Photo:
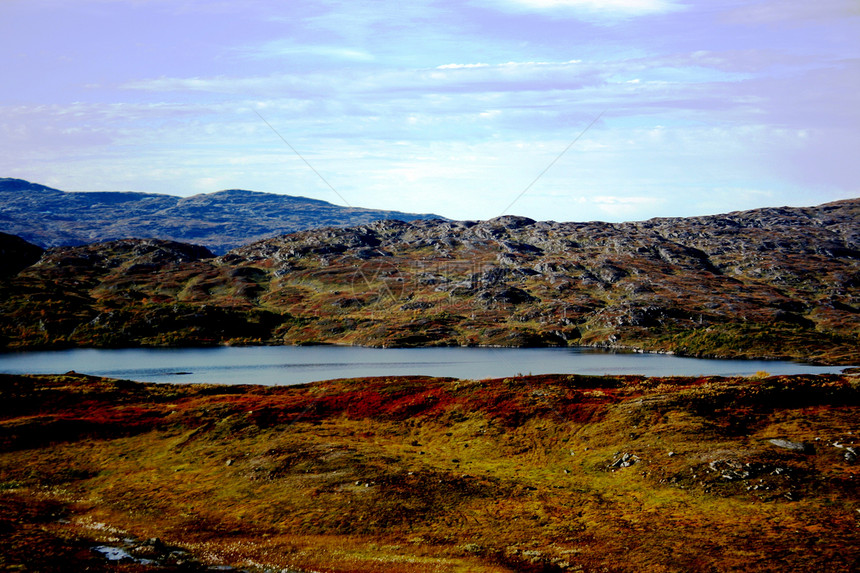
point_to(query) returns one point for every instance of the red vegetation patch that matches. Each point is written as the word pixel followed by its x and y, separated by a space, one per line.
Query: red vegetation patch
pixel 373 398
pixel 510 401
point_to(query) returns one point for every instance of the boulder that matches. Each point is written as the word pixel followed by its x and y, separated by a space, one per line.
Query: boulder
pixel 801 447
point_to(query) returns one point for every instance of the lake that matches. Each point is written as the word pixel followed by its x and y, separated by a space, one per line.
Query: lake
pixel 284 365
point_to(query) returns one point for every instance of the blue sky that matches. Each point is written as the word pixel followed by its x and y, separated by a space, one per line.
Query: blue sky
pixel 437 106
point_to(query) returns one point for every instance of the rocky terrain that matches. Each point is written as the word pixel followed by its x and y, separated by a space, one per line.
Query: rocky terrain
pixel 220 221
pixel 528 474
pixel 763 283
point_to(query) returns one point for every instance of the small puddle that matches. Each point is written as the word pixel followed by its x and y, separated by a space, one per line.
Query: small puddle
pixel 114 553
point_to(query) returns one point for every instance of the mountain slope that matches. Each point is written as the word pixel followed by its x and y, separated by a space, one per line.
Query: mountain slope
pixel 763 283
pixel 220 221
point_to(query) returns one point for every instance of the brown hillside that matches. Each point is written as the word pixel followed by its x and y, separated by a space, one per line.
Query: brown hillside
pixel 767 283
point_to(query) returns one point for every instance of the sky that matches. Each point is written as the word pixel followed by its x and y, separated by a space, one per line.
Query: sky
pixel 565 110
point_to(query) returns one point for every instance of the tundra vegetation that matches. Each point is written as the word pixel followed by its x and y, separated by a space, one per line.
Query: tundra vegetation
pixel 535 473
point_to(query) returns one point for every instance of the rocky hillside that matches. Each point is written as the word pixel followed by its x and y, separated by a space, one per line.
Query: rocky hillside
pixel 765 283
pixel 220 221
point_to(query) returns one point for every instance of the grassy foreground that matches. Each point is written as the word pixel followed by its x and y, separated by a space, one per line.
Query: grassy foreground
pixel 408 474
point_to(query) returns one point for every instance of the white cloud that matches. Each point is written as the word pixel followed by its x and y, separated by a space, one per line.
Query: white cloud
pixel 461 66
pixel 796 12
pixel 454 77
pixel 596 8
pixel 506 65
pixel 616 200
pixel 283 48
pixel 632 5
pixel 614 173
pixel 277 84
pixel 621 207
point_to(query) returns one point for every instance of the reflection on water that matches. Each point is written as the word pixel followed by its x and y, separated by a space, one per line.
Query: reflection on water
pixel 283 365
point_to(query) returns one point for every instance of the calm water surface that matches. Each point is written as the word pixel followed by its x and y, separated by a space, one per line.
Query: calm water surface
pixel 282 365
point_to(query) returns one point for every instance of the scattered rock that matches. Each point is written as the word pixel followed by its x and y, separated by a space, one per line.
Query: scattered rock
pixel 730 469
pixel 512 295
pixel 801 447
pixel 150 549
pixel 624 460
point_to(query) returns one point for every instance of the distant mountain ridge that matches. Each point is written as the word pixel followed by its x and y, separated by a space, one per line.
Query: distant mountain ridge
pixel 219 221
